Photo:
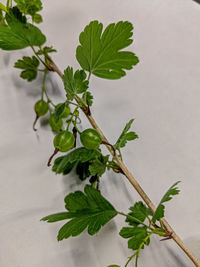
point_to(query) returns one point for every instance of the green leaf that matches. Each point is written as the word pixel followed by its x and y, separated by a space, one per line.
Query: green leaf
pixel 74 83
pixel 98 166
pixel 100 53
pixel 18 35
pixel 56 217
pixel 114 265
pixel 159 213
pixel 87 210
pixel 67 168
pixel 77 155
pixel 30 67
pixel 136 236
pixel 125 136
pixel 27 63
pixel 28 75
pixel 59 109
pixel 87 99
pixel 139 211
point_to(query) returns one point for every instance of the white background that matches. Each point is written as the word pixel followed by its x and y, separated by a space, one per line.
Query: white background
pixel 162 93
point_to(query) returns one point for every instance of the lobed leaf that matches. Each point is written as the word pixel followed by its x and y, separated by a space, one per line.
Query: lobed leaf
pixel 125 136
pixel 98 166
pixel 136 236
pixel 100 53
pixel 138 211
pixel 159 213
pixel 86 210
pixel 30 66
pixel 74 83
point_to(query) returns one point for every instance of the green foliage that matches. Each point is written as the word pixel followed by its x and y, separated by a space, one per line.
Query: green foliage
pixel 98 166
pixel 80 154
pixel 159 213
pixel 74 83
pixel 62 110
pixel 86 210
pixel 136 236
pixel 18 35
pixel 30 7
pixel 138 211
pixel 29 66
pixel 100 53
pixel 125 136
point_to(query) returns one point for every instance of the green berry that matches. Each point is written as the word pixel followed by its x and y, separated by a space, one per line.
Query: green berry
pixel 90 139
pixel 64 141
pixel 41 108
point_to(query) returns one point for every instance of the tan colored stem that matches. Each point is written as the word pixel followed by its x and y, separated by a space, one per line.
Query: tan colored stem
pixel 133 181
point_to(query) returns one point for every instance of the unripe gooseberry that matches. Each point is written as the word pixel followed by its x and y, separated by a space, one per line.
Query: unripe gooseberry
pixel 90 138
pixel 56 125
pixel 64 141
pixel 41 108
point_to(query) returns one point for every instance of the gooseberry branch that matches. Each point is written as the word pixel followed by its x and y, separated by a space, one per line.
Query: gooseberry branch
pixel 170 233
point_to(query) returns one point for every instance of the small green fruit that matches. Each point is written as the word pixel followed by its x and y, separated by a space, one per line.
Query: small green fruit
pixel 41 108
pixel 90 139
pixel 64 141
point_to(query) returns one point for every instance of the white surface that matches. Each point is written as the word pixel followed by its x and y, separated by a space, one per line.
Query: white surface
pixel 162 93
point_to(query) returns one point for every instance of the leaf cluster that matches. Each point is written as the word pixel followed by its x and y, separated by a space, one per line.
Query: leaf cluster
pixel 137 231
pixel 85 210
pixel 87 163
pixel 30 7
